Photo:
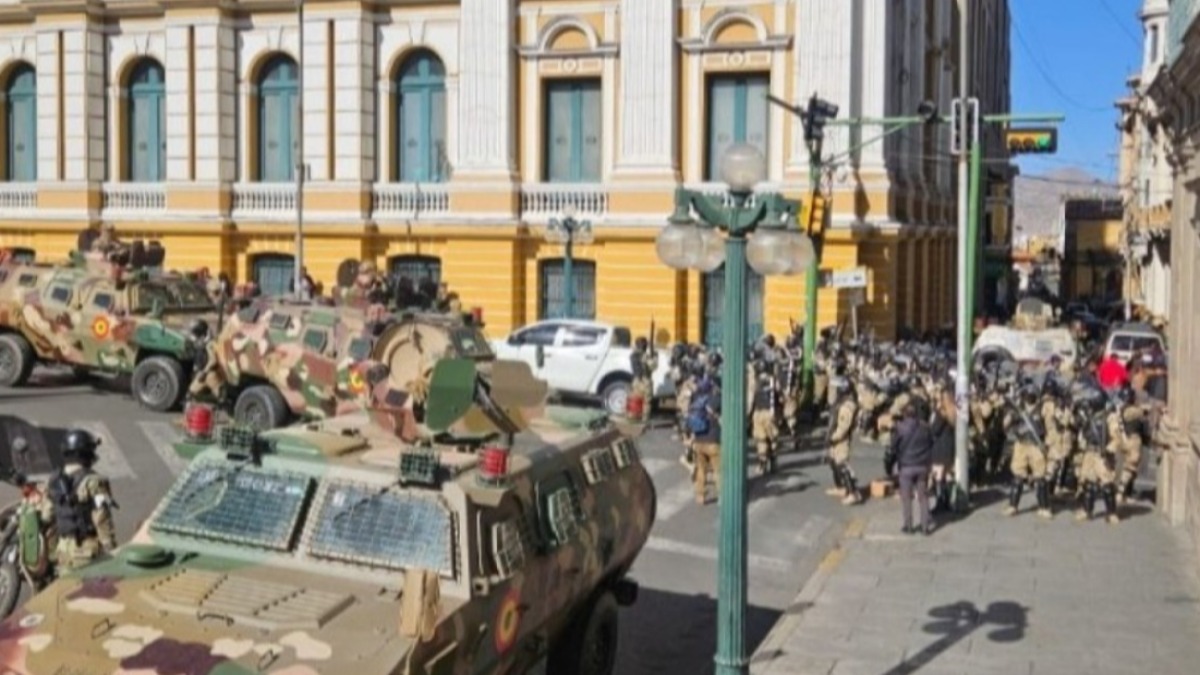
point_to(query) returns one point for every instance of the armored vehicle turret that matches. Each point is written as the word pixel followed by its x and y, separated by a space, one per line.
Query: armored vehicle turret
pixel 277 360
pixel 466 530
pixel 108 311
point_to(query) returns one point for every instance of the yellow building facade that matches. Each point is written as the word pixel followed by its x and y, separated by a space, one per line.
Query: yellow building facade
pixel 439 139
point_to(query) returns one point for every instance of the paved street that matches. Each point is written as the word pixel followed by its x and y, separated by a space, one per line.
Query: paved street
pixel 792 521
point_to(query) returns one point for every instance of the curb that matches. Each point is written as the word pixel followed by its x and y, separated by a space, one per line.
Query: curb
pixel 764 657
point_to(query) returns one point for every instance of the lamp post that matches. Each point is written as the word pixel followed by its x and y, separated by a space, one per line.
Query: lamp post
pixel 776 247
pixel 569 231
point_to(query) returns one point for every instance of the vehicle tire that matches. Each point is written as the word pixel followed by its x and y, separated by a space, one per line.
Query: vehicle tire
pixel 615 396
pixel 82 373
pixel 589 644
pixel 10 586
pixel 261 407
pixel 16 360
pixel 158 383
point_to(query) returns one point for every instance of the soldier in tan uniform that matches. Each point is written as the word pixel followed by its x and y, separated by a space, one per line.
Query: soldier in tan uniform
pixel 1100 437
pixel 1057 419
pixel 82 502
pixel 1023 422
pixel 644 361
pixel 841 427
pixel 762 418
pixel 1127 445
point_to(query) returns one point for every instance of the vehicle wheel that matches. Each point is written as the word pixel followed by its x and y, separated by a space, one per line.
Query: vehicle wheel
pixel 81 372
pixel 10 586
pixel 16 360
pixel 616 396
pixel 261 407
pixel 589 645
pixel 158 383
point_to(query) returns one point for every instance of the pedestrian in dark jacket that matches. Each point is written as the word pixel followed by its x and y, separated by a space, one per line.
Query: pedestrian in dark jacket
pixel 912 446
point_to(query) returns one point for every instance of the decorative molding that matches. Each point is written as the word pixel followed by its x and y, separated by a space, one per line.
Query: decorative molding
pixel 706 40
pixel 571 66
pixel 737 60
pixel 542 50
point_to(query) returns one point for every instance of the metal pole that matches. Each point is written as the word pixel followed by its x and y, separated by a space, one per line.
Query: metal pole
pixel 298 267
pixel 568 270
pixel 731 557
pixel 961 387
pixel 973 202
pixel 811 279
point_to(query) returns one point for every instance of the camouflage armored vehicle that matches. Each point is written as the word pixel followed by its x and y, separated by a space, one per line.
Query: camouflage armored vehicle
pixel 93 313
pixel 279 359
pixel 472 531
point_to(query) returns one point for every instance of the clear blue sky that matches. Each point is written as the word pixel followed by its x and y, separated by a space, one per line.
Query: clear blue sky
pixel 1072 57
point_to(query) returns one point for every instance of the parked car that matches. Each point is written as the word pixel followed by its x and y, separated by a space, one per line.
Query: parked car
pixel 1127 338
pixel 583 359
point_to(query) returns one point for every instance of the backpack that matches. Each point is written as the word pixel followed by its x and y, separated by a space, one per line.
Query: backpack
pixel 697 417
pixel 73 516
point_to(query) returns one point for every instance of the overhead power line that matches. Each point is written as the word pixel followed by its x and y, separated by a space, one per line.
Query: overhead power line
pixel 1045 73
pixel 1120 24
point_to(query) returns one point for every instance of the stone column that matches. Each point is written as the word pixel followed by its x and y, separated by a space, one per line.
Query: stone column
pixel 180 55
pixel 48 124
pixel 487 91
pixel 825 57
pixel 649 89
pixel 354 98
pixel 873 49
pixel 316 35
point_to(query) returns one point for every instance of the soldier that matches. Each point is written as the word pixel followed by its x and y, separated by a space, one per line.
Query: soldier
pixel 841 424
pixel 209 382
pixel 83 503
pixel 762 418
pixel 1134 432
pixel 643 363
pixel 1057 420
pixel 107 242
pixel 1101 437
pixel 704 427
pixel 1023 423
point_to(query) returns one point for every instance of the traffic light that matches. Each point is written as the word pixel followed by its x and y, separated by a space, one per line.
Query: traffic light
pixel 819 111
pixel 1041 141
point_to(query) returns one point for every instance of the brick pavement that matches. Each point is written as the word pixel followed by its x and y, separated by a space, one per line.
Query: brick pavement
pixel 991 594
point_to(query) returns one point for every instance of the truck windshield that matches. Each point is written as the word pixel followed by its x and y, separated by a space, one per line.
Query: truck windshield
pixel 382 527
pixel 235 503
pixel 471 343
pixel 172 294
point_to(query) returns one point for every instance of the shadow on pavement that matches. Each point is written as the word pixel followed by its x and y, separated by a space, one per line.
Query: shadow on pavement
pixel 961 619
pixel 673 633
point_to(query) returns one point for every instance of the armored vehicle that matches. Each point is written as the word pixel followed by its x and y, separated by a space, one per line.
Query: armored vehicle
pixel 1031 338
pixel 476 531
pixel 96 313
pixel 278 359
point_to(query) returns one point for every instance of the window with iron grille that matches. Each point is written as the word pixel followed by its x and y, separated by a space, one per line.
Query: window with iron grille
pixel 553 287
pixel 598 465
pixel 508 547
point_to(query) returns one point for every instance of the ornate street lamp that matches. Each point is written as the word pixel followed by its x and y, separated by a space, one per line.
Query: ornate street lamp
pixel 766 235
pixel 569 231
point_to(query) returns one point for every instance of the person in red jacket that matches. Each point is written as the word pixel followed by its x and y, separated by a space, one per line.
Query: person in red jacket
pixel 1111 373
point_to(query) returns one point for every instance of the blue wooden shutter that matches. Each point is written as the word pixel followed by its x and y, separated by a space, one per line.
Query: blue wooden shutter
pixel 279 113
pixel 421 120
pixel 552 303
pixel 757 113
pixel 714 306
pixel 147 121
pixel 558 132
pixel 21 116
pixel 590 132
pixel 721 119
pixel 274 274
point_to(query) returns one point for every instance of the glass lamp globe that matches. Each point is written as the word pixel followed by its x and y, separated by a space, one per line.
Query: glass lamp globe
pixel 712 250
pixel 743 167
pixel 769 251
pixel 800 252
pixel 679 246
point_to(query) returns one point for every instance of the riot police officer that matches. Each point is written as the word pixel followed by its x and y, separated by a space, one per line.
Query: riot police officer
pixel 762 417
pixel 643 363
pixel 82 502
pixel 1100 434
pixel 841 424
pixel 1024 424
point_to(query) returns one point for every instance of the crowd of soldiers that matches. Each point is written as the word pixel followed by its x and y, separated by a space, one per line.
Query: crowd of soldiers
pixel 1049 429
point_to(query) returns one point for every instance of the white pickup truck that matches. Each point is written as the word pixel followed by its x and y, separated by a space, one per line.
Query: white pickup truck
pixel 583 359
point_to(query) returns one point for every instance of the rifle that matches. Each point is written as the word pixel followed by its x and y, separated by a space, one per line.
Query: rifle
pixel 1028 423
pixel 653 348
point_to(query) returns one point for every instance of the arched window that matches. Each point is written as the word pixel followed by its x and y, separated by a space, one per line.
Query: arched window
pixel 146 123
pixel 420 150
pixel 274 273
pixel 20 124
pixel 714 306
pixel 278 120
pixel 553 285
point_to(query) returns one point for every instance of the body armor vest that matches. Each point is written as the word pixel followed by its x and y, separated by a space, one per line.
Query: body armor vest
pixel 72 515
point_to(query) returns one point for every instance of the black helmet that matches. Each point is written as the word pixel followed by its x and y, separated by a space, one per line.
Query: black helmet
pixel 80 445
pixel 1126 395
pixel 641 344
pixel 769 341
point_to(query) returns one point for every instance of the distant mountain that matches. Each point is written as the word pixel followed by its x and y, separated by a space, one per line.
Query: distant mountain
pixel 1037 200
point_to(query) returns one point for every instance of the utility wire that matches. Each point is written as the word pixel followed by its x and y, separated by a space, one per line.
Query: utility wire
pixel 1045 73
pixel 1117 20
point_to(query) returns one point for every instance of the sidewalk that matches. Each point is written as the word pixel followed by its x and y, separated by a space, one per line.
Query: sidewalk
pixel 991 594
